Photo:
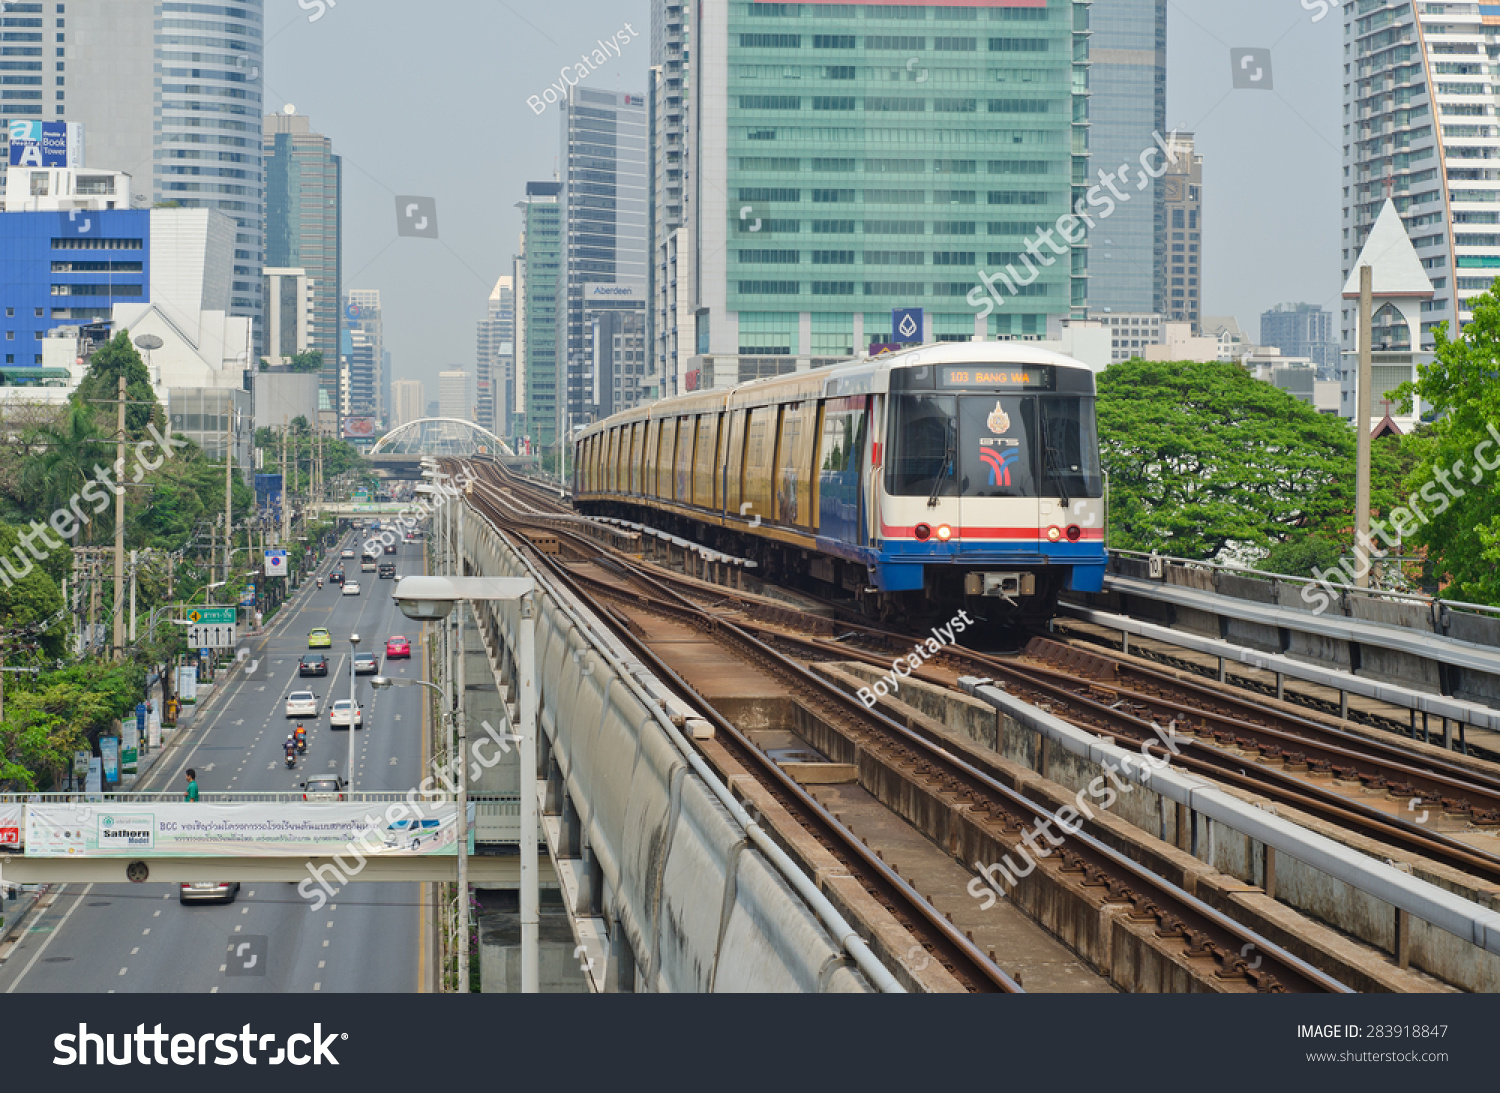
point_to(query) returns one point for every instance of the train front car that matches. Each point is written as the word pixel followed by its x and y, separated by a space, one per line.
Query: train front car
pixel 990 489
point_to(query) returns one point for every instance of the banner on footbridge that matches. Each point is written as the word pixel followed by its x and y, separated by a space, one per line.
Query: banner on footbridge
pixel 251 830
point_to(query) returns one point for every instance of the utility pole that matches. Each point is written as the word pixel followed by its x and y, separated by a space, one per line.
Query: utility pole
pixel 228 489
pixel 286 486
pixel 119 626
pixel 134 566
pixel 1362 433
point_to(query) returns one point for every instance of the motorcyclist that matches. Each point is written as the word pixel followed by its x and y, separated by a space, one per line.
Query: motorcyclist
pixel 320 582
pixel 301 738
pixel 290 749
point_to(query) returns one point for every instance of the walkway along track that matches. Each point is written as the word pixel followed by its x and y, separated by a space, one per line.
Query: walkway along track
pixel 983 815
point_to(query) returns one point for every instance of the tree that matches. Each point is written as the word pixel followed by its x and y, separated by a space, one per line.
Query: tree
pixel 1453 505
pixel 101 385
pixel 1202 457
pixel 67 451
pixel 311 361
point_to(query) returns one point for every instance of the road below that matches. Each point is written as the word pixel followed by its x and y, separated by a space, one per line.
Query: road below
pixel 138 939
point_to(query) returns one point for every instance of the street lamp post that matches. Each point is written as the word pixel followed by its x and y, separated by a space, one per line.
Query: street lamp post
pixel 432 599
pixel 353 710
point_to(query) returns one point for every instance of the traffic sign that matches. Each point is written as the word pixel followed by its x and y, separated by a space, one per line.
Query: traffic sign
pixel 220 616
pixel 205 635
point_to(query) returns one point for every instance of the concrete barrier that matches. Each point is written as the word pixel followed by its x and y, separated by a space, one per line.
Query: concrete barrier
pixel 701 907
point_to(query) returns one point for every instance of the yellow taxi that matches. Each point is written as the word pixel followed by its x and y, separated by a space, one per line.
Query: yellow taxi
pixel 320 638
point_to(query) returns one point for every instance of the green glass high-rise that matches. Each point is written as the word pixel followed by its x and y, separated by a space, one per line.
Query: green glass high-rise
pixel 852 158
pixel 541 264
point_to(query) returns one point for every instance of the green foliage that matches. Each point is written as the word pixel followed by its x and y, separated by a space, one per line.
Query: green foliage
pixel 311 361
pixel 31 590
pixel 65 711
pixel 1307 556
pixel 1202 457
pixel 1450 485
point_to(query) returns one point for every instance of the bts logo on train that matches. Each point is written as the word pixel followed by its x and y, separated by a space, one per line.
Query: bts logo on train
pixel 958 475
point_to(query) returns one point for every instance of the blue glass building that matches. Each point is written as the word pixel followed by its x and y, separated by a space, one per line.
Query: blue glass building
pixel 66 269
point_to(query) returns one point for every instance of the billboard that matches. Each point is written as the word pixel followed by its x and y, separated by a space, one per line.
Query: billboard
pixel 262 829
pixel 359 428
pixel 46 144
pixel 10 826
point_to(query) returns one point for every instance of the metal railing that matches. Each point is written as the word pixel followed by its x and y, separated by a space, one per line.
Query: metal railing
pixel 358 796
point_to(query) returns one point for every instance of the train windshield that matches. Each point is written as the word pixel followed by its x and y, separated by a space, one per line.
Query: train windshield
pixel 994 446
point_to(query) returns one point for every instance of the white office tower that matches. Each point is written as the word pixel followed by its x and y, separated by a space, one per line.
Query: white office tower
pixel 1420 129
pixel 671 326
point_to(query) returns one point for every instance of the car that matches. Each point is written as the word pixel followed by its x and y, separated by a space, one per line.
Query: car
pixel 319 638
pixel 397 648
pixel 302 704
pixel 347 552
pixel 336 577
pixel 367 564
pixel 387 571
pixel 338 715
pixel 366 663
pixel 323 789
pixel 314 664
pixel 351 588
pixel 222 891
pixel 390 548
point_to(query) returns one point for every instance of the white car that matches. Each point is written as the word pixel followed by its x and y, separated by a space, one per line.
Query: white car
pixel 351 588
pixel 302 704
pixel 347 552
pixel 338 715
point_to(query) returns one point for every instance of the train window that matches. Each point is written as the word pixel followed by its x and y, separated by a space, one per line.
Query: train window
pixel 1070 448
pixel 923 444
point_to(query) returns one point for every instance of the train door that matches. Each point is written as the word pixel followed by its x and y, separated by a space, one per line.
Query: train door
pixel 841 462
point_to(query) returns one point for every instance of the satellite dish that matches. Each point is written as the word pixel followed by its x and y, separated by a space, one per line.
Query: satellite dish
pixel 149 342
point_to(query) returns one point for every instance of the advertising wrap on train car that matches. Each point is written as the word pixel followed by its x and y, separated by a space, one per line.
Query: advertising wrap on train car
pixel 263 829
pixel 1034 377
pixel 10 827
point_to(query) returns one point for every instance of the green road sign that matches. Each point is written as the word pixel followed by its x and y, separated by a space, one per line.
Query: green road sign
pixel 212 616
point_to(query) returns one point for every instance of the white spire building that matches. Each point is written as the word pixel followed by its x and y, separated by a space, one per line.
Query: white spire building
pixel 1401 291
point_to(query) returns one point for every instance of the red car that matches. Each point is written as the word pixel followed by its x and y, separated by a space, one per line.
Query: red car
pixel 397 648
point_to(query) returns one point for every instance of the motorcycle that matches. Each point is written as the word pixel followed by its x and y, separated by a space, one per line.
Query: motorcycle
pixel 291 760
pixel 320 582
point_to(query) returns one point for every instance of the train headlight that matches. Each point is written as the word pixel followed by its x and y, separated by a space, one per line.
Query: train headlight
pixel 1074 533
pixel 945 533
pixel 923 532
pixel 1054 534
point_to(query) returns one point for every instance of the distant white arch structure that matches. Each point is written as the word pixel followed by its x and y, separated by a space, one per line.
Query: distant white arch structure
pixel 440 436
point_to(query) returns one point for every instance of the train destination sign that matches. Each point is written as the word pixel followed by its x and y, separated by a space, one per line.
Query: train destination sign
pixel 1012 377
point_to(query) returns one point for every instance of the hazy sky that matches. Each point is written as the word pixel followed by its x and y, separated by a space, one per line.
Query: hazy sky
pixel 430 100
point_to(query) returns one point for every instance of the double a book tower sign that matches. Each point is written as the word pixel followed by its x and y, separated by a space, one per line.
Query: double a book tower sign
pixel 211 628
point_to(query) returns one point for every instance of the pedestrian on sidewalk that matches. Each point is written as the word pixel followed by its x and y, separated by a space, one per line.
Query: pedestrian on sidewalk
pixel 192 787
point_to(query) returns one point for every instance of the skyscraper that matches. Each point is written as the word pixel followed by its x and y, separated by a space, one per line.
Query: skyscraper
pixel 407 402
pixel 1182 191
pixel 366 370
pixel 1302 330
pixel 168 91
pixel 539 268
pixel 670 316
pixel 456 394
pixel 604 230
pixel 1127 107
pixel 304 223
pixel 494 361
pixel 849 159
pixel 1419 127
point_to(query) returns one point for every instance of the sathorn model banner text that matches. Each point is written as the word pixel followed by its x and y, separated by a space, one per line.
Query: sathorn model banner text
pixel 264 829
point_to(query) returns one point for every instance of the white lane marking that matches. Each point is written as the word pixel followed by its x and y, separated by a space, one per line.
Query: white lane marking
pixel 244 910
pixel 237 929
pixel 325 943
pixel 146 931
pixel 317 986
pixel 135 950
pixel 124 970
pixel 214 990
pixel 157 914
pixel 322 964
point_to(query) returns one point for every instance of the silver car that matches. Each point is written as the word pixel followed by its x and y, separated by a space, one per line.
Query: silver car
pixel 222 891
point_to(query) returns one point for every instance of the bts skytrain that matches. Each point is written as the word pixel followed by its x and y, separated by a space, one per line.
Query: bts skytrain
pixel 962 474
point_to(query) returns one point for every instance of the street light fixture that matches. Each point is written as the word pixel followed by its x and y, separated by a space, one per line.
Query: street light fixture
pixel 432 599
